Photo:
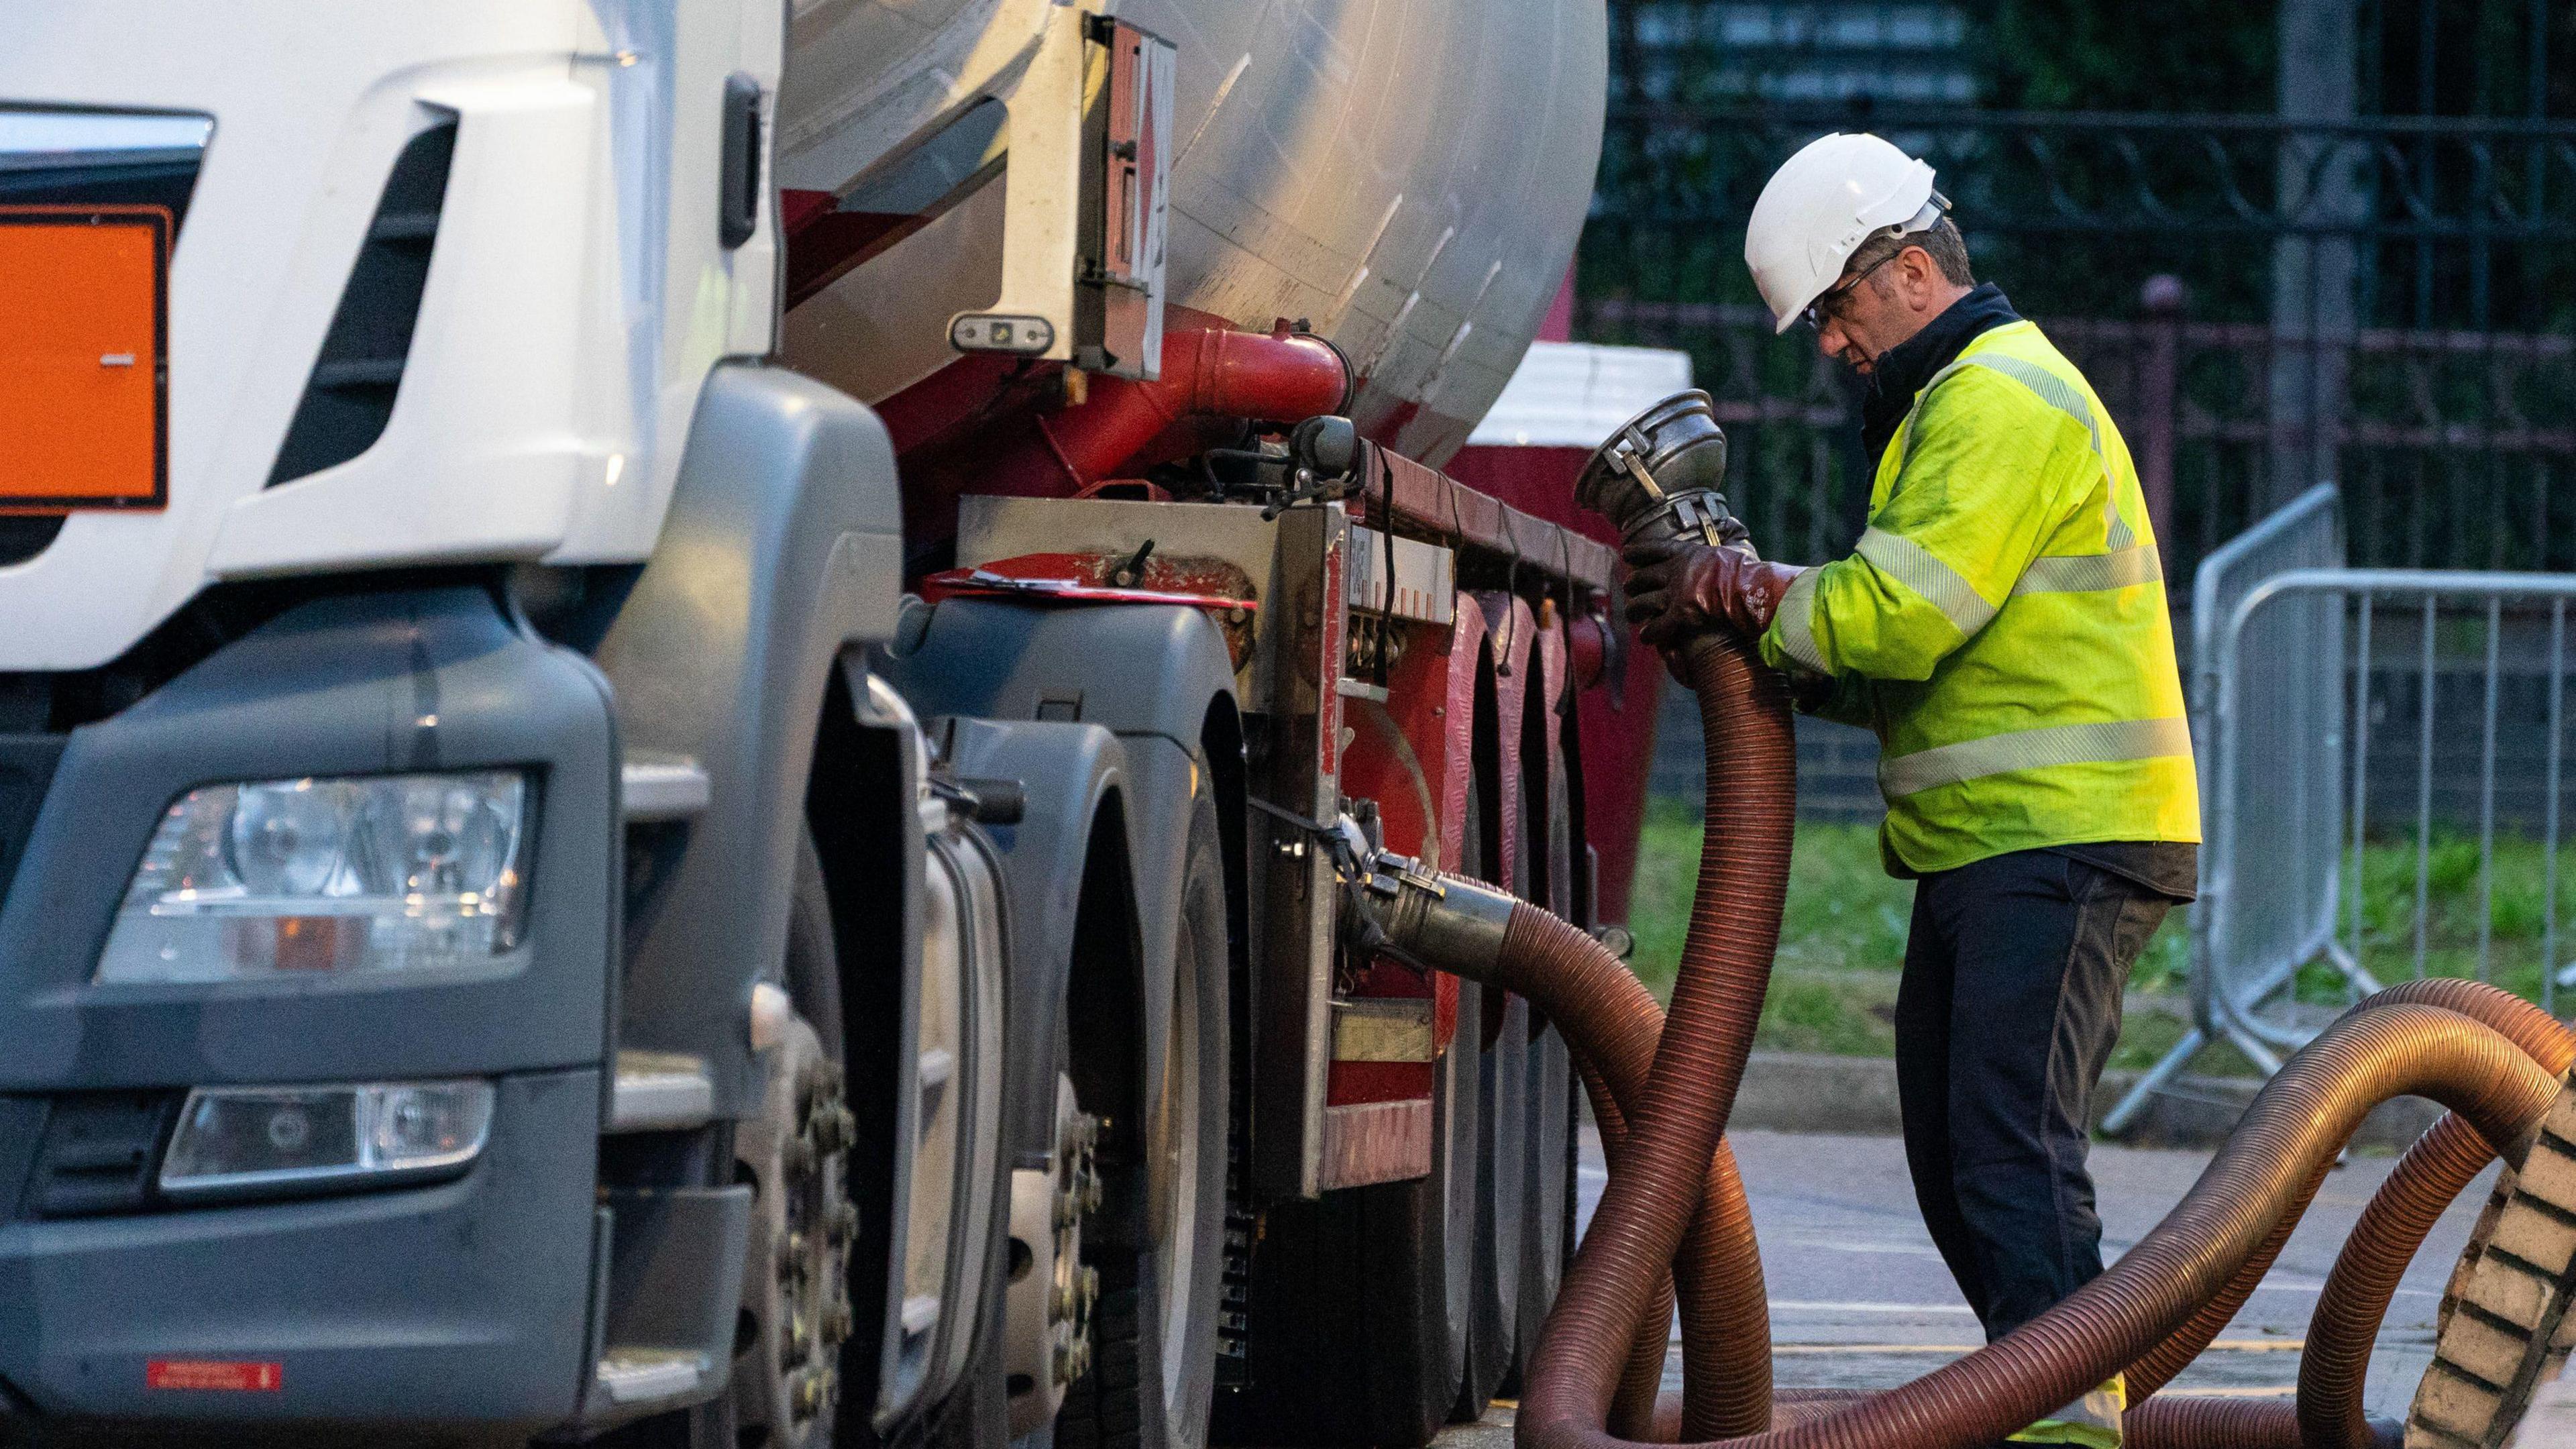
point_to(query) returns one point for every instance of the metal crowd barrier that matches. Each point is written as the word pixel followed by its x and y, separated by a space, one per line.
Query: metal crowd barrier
pixel 2443 721
pixel 2289 802
pixel 2282 916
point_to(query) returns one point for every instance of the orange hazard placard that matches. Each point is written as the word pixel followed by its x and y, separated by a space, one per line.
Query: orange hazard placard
pixel 84 327
pixel 212 1373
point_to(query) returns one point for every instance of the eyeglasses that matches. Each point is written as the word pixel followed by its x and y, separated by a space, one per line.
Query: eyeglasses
pixel 1818 310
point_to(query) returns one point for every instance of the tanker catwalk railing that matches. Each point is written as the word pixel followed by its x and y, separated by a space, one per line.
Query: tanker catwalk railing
pixel 2458 683
pixel 2285 911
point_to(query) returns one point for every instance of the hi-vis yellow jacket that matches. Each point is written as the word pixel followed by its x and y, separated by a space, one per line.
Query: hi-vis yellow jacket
pixel 2002 625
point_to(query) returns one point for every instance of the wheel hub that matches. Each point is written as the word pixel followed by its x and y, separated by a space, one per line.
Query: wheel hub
pixel 1049 1302
pixel 798 1292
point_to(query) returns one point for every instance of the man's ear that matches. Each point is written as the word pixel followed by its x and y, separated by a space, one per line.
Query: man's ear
pixel 1922 278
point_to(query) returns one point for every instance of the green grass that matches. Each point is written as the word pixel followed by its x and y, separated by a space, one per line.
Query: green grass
pixel 2519 874
pixel 1842 939
pixel 1842 936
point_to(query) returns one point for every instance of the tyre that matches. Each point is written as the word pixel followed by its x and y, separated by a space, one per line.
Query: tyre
pixel 1547 1225
pixel 796 1309
pixel 1157 1241
pixel 1459 1159
pixel 1502 1179
pixel 1548 1193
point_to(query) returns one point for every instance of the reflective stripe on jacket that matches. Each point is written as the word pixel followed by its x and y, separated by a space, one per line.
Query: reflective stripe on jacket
pixel 2002 624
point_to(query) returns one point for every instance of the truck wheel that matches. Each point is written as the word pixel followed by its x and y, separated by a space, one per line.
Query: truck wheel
pixel 796 1309
pixel 1159 1243
pixel 1548 1212
pixel 1548 1217
pixel 1458 1109
pixel 1462 1161
pixel 1502 1158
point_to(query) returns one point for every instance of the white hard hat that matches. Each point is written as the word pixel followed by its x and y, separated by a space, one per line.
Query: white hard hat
pixel 1818 208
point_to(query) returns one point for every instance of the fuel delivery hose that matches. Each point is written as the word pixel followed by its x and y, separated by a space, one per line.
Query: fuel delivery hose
pixel 1623 1016
pixel 2328 1413
pixel 2293 1129
pixel 1726 1332
pixel 1671 1194
pixel 2385 1237
pixel 1660 473
pixel 2385 1048
pixel 1633 1408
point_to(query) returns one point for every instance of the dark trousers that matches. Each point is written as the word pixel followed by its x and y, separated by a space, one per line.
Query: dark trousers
pixel 2008 1011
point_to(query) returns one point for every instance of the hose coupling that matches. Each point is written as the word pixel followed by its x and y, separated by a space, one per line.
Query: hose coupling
pixel 1434 920
pixel 1662 475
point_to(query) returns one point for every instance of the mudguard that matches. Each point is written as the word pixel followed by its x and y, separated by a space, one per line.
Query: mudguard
pixel 1147 673
pixel 782 547
pixel 1071 774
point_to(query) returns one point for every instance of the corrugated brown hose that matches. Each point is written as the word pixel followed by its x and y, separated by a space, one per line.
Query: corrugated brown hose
pixel 2437 1169
pixel 1649 1203
pixel 2292 1131
pixel 1673 1218
pixel 2329 1413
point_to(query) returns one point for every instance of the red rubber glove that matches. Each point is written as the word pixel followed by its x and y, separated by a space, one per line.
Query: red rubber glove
pixel 1679 587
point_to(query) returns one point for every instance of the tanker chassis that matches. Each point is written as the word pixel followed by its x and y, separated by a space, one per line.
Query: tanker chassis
pixel 684 692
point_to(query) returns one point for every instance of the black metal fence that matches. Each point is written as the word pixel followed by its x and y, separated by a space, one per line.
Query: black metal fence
pixel 2262 303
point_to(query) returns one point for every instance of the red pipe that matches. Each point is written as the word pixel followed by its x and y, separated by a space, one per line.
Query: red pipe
pixel 1283 377
pixel 982 424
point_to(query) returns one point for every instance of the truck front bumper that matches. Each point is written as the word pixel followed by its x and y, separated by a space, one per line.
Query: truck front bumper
pixel 467 1300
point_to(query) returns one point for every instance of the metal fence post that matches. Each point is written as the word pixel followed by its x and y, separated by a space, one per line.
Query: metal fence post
pixel 2165 299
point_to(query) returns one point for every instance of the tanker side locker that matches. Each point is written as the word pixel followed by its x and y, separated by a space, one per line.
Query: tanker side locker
pixel 1292 1029
pixel 1397 685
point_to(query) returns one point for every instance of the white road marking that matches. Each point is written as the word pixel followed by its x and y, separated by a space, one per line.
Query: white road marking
pixel 1797 1306
pixel 2224 1345
pixel 1847 1245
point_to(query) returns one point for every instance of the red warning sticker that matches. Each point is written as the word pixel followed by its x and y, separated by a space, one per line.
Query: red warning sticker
pixel 210 1373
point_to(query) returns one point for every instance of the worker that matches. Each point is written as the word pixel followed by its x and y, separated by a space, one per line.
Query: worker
pixel 2001 627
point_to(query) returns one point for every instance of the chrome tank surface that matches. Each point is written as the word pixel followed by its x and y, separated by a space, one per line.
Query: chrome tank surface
pixel 1409 175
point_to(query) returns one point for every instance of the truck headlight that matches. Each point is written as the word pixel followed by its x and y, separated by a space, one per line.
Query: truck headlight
pixel 273 878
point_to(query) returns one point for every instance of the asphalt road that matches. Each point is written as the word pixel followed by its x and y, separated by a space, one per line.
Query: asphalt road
pixel 1860 1299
